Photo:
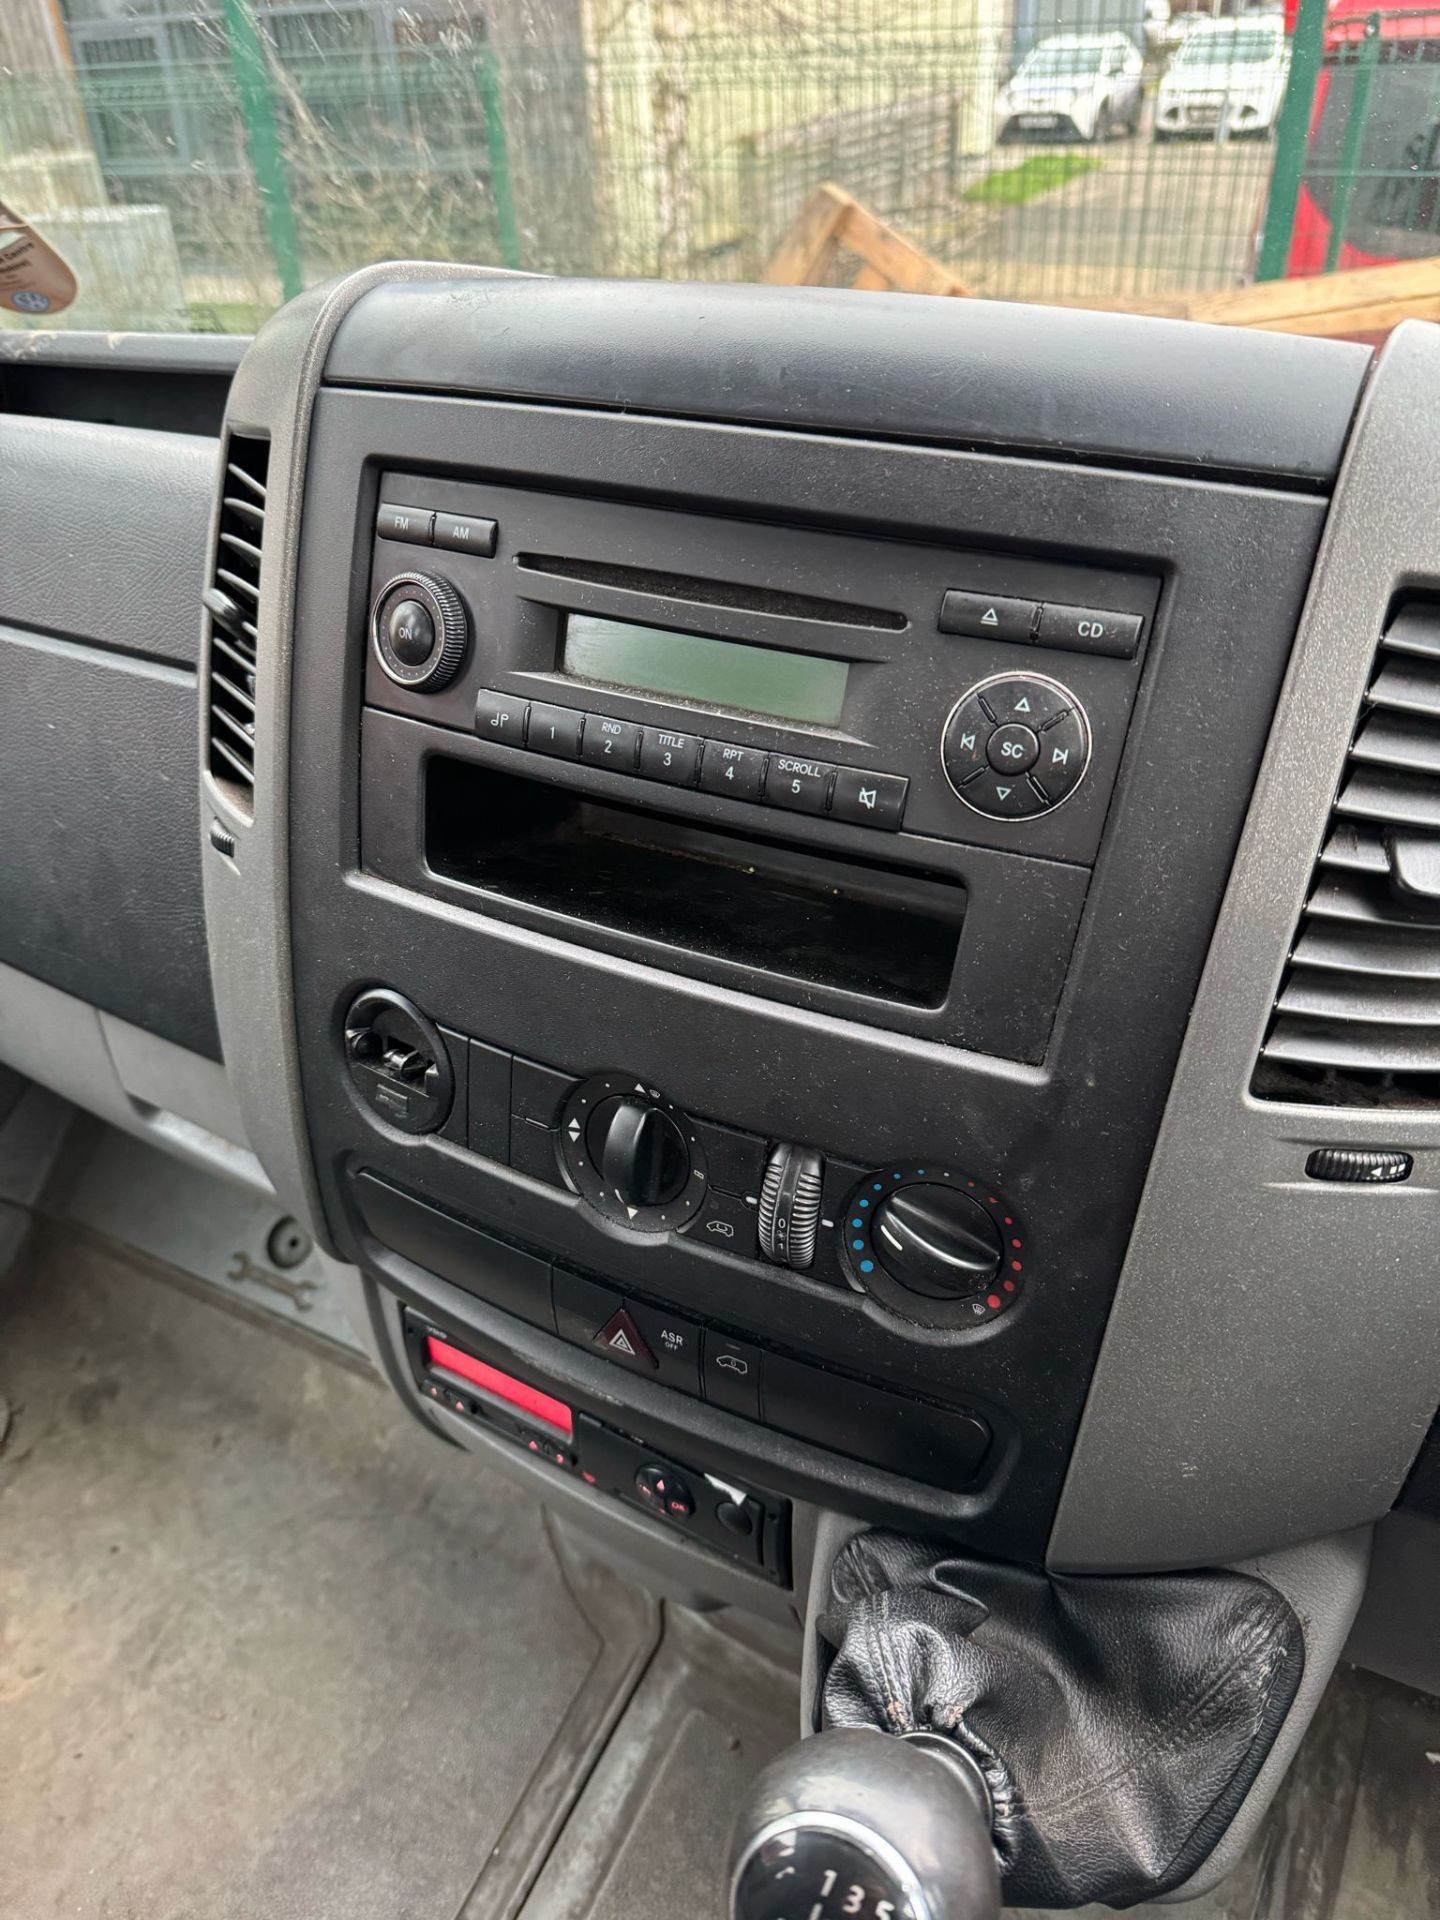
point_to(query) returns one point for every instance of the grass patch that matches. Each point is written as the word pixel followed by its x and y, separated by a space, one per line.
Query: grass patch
pixel 1040 173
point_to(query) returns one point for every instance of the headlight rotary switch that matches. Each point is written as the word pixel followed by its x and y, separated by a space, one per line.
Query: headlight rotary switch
pixel 420 631
pixel 790 1195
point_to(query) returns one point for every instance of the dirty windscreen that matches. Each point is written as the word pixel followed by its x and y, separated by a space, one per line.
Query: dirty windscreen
pixel 195 163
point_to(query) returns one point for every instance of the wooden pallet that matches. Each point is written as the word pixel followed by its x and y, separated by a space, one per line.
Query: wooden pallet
pixel 833 222
pixel 1362 301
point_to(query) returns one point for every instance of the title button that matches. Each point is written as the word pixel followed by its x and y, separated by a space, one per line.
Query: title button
pixel 670 756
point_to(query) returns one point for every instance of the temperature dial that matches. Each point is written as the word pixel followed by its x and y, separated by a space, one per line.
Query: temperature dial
pixel 934 1244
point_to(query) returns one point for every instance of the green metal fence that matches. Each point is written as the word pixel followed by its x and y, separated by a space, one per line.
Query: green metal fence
pixel 288 139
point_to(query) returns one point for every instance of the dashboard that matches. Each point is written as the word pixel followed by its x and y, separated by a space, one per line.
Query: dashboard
pixel 829 902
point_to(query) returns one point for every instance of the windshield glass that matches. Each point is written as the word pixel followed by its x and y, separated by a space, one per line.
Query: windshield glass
pixel 1055 63
pixel 190 165
pixel 1230 46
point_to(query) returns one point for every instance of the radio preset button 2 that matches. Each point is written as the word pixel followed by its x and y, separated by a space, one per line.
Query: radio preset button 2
pixel 738 772
pixel 987 616
pixel 869 799
pixel 612 743
pixel 670 756
pixel 555 730
pixel 802 785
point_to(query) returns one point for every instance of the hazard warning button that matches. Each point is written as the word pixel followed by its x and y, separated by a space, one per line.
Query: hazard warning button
pixel 983 616
pixel 623 1340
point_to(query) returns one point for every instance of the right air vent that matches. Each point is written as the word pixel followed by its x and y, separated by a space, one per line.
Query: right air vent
pixel 1357 1018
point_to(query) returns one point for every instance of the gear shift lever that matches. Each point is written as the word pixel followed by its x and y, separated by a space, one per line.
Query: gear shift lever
pixel 855 1824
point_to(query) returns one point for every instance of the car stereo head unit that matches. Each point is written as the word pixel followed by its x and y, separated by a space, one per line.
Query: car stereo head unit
pixel 810 763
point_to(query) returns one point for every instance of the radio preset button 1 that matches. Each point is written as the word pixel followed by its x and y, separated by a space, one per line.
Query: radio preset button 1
pixel 982 616
pixel 462 534
pixel 1090 630
pixel 869 799
pixel 555 730
pixel 670 756
pixel 802 785
pixel 612 743
pixel 738 772
pixel 498 717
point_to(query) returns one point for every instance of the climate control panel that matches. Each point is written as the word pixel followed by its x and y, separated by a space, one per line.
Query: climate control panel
pixel 930 1242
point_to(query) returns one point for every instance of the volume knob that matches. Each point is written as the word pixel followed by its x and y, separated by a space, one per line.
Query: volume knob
pixel 790 1206
pixel 420 631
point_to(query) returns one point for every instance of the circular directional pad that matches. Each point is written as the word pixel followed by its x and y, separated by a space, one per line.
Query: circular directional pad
pixel 1015 746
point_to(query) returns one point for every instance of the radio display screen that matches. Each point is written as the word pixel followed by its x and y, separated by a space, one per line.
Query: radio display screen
pixel 716 673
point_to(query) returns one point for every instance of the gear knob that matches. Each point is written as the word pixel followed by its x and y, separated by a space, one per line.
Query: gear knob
pixel 860 1825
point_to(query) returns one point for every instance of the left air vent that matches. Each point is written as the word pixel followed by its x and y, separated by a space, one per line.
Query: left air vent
pixel 1357 1018
pixel 233 601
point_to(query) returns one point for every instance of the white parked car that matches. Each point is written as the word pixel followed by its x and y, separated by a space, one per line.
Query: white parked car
pixel 1085 85
pixel 1227 71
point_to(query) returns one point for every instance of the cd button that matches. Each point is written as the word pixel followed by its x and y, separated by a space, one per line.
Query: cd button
pixel 1005 796
pixel 736 771
pixel 1064 752
pixel 802 785
pixel 869 799
pixel 498 717
pixel 670 756
pixel 1086 630
pixel 611 743
pixel 555 730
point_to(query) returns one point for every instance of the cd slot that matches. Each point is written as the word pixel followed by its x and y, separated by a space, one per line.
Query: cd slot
pixel 690 590
pixel 757 901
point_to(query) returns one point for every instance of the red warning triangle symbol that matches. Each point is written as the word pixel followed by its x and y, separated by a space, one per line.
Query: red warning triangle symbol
pixel 623 1338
